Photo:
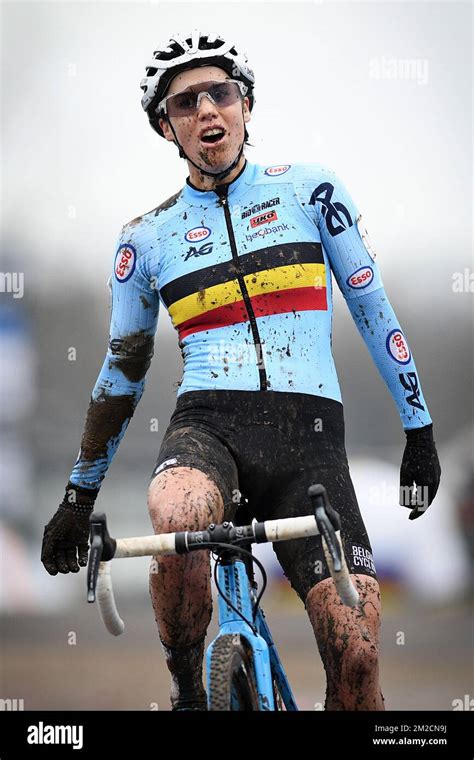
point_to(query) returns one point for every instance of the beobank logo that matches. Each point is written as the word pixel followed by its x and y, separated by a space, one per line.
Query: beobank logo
pixel 268 216
pixel 274 171
pixel 197 233
pixel 360 278
pixel 125 260
pixel 397 347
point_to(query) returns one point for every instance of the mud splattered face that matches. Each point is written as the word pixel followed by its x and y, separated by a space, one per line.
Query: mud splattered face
pixel 193 131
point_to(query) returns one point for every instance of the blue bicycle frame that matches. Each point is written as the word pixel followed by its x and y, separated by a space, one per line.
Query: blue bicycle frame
pixel 234 580
pixel 240 613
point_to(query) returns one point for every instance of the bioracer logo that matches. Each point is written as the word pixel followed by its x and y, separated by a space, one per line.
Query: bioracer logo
pixel 46 734
pixel 260 207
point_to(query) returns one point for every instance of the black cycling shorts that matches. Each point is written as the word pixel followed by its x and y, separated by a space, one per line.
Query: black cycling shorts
pixel 263 449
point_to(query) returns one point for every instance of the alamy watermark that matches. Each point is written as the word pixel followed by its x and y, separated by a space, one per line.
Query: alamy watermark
pixel 386 493
pixel 410 69
pixel 466 703
pixel 42 733
pixel 12 705
pixel 224 353
pixel 463 282
pixel 12 282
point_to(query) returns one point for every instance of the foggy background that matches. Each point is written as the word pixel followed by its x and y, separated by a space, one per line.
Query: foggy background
pixel 382 93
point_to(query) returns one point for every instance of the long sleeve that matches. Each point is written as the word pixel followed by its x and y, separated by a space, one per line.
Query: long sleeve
pixel 358 277
pixel 121 381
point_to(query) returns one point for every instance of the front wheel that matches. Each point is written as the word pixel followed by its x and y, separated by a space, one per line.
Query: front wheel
pixel 232 678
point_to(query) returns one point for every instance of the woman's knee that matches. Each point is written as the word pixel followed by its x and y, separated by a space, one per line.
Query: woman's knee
pixel 361 661
pixel 348 636
pixel 183 498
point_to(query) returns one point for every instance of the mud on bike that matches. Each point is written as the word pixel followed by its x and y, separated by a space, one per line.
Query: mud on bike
pixel 243 668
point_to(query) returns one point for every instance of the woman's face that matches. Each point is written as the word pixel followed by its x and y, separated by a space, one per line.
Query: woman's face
pixel 189 129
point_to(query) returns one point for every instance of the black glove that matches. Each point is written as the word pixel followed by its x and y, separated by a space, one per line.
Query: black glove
pixel 68 532
pixel 420 464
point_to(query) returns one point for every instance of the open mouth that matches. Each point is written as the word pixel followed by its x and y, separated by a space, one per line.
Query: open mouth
pixel 213 136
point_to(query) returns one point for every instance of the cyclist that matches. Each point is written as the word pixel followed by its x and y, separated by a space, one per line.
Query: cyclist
pixel 241 257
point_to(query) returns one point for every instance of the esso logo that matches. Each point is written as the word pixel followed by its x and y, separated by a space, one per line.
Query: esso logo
pixel 197 234
pixel 125 260
pixel 274 171
pixel 361 278
pixel 397 347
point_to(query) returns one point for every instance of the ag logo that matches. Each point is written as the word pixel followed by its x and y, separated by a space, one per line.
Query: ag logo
pixel 365 237
pixel 197 233
pixel 409 381
pixel 274 171
pixel 125 260
pixel 202 251
pixel 360 278
pixel 397 347
pixel 336 214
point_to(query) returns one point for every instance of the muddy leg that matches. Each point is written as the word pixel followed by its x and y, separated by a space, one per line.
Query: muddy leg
pixel 183 498
pixel 348 642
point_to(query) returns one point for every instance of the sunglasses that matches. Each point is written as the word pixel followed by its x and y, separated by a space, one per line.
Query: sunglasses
pixel 186 103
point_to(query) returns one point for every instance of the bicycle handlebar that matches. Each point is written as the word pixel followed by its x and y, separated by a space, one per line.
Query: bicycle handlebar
pixel 103 549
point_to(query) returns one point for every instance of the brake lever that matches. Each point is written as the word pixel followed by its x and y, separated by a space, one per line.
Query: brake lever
pixel 102 549
pixel 95 555
pixel 328 522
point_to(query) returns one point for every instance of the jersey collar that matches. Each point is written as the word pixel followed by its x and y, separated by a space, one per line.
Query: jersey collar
pixel 196 197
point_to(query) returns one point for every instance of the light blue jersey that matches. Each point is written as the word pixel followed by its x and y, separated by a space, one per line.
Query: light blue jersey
pixel 245 274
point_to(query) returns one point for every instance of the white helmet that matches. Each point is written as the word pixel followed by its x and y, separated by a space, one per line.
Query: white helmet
pixel 181 53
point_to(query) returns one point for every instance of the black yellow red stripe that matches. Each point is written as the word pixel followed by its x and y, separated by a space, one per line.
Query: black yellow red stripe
pixel 278 280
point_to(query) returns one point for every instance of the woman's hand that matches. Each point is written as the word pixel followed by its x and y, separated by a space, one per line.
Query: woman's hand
pixel 66 536
pixel 420 464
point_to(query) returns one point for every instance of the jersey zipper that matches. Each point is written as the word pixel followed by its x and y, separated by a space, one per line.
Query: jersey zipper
pixel 243 287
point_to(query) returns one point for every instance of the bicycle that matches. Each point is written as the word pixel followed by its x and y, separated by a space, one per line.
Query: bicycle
pixel 244 670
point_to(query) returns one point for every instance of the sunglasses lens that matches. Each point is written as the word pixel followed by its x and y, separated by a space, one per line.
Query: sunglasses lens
pixel 224 94
pixel 185 103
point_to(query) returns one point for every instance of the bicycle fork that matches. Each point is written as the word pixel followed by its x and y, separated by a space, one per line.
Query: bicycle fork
pixel 234 581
